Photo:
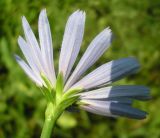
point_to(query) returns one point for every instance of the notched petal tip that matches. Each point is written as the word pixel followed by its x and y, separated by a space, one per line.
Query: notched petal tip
pixel 108 29
pixel 77 13
pixel 43 10
pixel 108 32
pixel 20 39
pixel 24 20
pixel 112 36
pixel 43 13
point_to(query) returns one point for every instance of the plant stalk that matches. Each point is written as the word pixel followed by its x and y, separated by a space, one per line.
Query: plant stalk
pixel 51 116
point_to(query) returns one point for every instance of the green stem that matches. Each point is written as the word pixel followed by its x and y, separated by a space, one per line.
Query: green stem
pixel 47 128
pixel 51 116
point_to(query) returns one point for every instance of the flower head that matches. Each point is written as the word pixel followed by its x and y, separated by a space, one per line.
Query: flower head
pixel 91 92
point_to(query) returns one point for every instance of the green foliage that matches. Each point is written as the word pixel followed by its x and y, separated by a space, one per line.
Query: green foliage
pixel 136 28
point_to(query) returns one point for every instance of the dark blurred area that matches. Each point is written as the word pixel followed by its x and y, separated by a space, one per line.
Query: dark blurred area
pixel 136 29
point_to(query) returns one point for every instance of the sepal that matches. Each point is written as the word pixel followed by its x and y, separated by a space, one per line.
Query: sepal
pixel 73 92
pixel 47 82
pixel 59 85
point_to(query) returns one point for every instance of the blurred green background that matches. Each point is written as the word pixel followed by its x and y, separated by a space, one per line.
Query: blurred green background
pixel 136 28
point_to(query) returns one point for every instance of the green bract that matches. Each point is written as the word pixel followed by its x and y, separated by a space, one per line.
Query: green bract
pixel 55 94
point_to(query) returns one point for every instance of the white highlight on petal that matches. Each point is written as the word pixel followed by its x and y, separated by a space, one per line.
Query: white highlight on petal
pixel 108 73
pixel 72 40
pixel 115 92
pixel 96 48
pixel 29 71
pixel 46 45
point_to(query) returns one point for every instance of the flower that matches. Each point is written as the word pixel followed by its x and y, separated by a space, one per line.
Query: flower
pixel 92 92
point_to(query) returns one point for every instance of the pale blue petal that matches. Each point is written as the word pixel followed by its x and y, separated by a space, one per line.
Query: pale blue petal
pixel 29 71
pixel 72 40
pixel 94 51
pixel 32 42
pixel 27 52
pixel 128 91
pixel 112 109
pixel 46 45
pixel 108 73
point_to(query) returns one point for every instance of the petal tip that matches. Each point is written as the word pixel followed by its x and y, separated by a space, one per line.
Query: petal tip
pixel 24 19
pixel 17 57
pixel 43 12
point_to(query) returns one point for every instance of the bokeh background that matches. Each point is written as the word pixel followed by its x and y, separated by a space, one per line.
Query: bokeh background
pixel 136 28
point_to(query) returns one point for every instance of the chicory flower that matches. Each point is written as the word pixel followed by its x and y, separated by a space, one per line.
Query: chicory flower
pixel 92 92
